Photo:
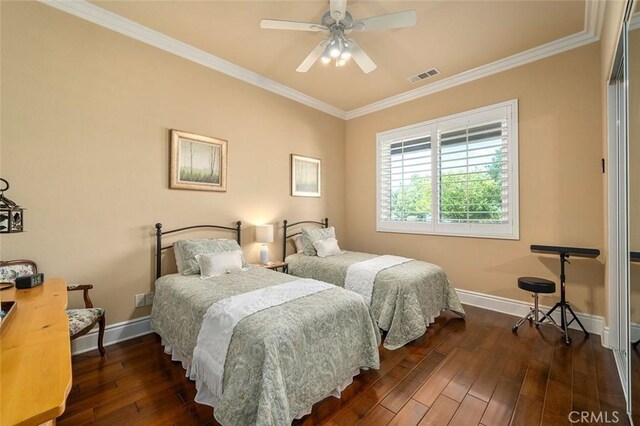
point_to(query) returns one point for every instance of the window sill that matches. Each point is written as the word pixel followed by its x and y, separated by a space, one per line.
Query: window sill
pixel 415 231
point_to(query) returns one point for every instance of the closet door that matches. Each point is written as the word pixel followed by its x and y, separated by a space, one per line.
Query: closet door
pixel 624 208
pixel 633 79
pixel 618 204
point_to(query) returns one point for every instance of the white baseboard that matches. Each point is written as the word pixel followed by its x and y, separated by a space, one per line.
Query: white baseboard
pixel 635 331
pixel 635 334
pixel 605 337
pixel 593 323
pixel 126 330
pixel 113 333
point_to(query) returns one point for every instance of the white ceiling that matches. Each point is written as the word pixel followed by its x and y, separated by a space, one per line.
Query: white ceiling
pixel 454 36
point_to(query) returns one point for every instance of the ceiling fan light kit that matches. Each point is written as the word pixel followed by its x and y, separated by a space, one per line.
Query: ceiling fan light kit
pixel 337 23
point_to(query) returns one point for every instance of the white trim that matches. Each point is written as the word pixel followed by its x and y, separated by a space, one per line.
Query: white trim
pixel 92 13
pixel 612 217
pixel 593 323
pixel 606 337
pixel 635 331
pixel 126 330
pixel 113 333
pixel 553 48
pixel 621 365
pixel 634 22
pixel 594 16
pixel 504 110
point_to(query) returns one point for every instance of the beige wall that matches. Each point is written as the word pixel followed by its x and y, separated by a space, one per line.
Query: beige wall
pixel 86 114
pixel 560 179
pixel 89 110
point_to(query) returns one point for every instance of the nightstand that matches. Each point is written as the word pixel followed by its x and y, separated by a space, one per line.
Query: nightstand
pixel 275 266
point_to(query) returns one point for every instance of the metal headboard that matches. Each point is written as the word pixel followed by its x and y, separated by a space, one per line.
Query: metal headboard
pixel 160 233
pixel 285 225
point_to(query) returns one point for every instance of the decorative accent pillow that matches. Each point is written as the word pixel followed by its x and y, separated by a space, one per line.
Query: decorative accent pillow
pixel 189 249
pixel 310 236
pixel 328 247
pixel 297 240
pixel 179 260
pixel 215 264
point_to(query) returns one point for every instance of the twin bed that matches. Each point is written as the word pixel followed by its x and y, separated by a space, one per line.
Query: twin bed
pixel 405 297
pixel 263 347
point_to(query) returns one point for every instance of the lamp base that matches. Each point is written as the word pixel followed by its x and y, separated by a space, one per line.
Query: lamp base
pixel 264 254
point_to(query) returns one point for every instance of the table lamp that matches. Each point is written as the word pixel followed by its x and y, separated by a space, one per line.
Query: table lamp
pixel 264 235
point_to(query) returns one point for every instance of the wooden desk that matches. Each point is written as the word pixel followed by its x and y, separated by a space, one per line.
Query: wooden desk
pixel 35 355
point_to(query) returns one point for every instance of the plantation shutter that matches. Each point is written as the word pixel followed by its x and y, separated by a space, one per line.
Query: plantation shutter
pixel 473 172
pixel 456 175
pixel 404 173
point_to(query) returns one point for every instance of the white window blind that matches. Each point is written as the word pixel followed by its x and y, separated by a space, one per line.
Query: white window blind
pixel 406 180
pixel 453 176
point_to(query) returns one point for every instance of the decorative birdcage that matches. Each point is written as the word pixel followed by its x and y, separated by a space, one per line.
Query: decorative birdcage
pixel 11 214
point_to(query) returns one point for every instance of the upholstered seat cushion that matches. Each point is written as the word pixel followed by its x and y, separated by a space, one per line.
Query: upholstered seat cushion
pixel 11 272
pixel 79 319
pixel 536 285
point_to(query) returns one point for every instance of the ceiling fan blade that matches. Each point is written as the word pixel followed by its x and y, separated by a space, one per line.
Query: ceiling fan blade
pixel 312 57
pixel 408 18
pixel 274 24
pixel 338 9
pixel 362 59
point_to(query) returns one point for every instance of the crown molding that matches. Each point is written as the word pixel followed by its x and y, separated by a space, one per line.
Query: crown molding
pixel 553 48
pixel 594 13
pixel 92 13
pixel 594 17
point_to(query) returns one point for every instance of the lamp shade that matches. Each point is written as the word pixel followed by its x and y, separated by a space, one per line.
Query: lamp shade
pixel 264 233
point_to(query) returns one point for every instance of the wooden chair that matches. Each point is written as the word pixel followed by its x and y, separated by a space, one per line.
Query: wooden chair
pixel 81 321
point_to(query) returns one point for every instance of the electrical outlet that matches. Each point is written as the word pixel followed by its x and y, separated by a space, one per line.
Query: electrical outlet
pixel 140 300
pixel 149 298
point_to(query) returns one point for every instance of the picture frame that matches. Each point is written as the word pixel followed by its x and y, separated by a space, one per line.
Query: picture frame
pixel 197 162
pixel 306 176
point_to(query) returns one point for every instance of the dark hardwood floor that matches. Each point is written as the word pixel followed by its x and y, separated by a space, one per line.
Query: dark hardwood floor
pixel 460 373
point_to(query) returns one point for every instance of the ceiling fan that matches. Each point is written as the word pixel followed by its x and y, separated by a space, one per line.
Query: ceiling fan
pixel 337 23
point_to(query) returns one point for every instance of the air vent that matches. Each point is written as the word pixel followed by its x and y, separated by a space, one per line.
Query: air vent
pixel 424 75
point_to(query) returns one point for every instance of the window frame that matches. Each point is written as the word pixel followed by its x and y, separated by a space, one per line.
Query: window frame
pixel 510 230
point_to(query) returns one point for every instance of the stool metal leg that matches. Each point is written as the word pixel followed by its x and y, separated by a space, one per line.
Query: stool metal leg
pixel 536 316
pixel 533 316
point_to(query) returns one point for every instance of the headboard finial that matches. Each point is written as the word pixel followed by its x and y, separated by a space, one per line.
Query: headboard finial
pixel 158 226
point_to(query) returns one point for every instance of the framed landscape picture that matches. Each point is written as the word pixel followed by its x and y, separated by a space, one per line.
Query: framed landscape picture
pixel 306 176
pixel 197 162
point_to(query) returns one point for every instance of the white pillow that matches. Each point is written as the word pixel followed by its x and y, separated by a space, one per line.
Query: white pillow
pixel 297 240
pixel 216 264
pixel 179 259
pixel 327 247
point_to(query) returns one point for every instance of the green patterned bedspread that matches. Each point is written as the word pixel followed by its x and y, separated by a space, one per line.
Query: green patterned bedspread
pixel 280 360
pixel 404 296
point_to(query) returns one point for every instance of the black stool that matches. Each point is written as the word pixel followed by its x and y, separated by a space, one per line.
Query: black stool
pixel 535 286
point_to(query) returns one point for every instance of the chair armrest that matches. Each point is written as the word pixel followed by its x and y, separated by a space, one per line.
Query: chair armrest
pixel 75 287
pixel 85 292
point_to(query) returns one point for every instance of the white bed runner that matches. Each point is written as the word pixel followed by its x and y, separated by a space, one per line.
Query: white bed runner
pixel 361 275
pixel 222 317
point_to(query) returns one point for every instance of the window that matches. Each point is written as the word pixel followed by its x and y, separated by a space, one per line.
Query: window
pixel 457 175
